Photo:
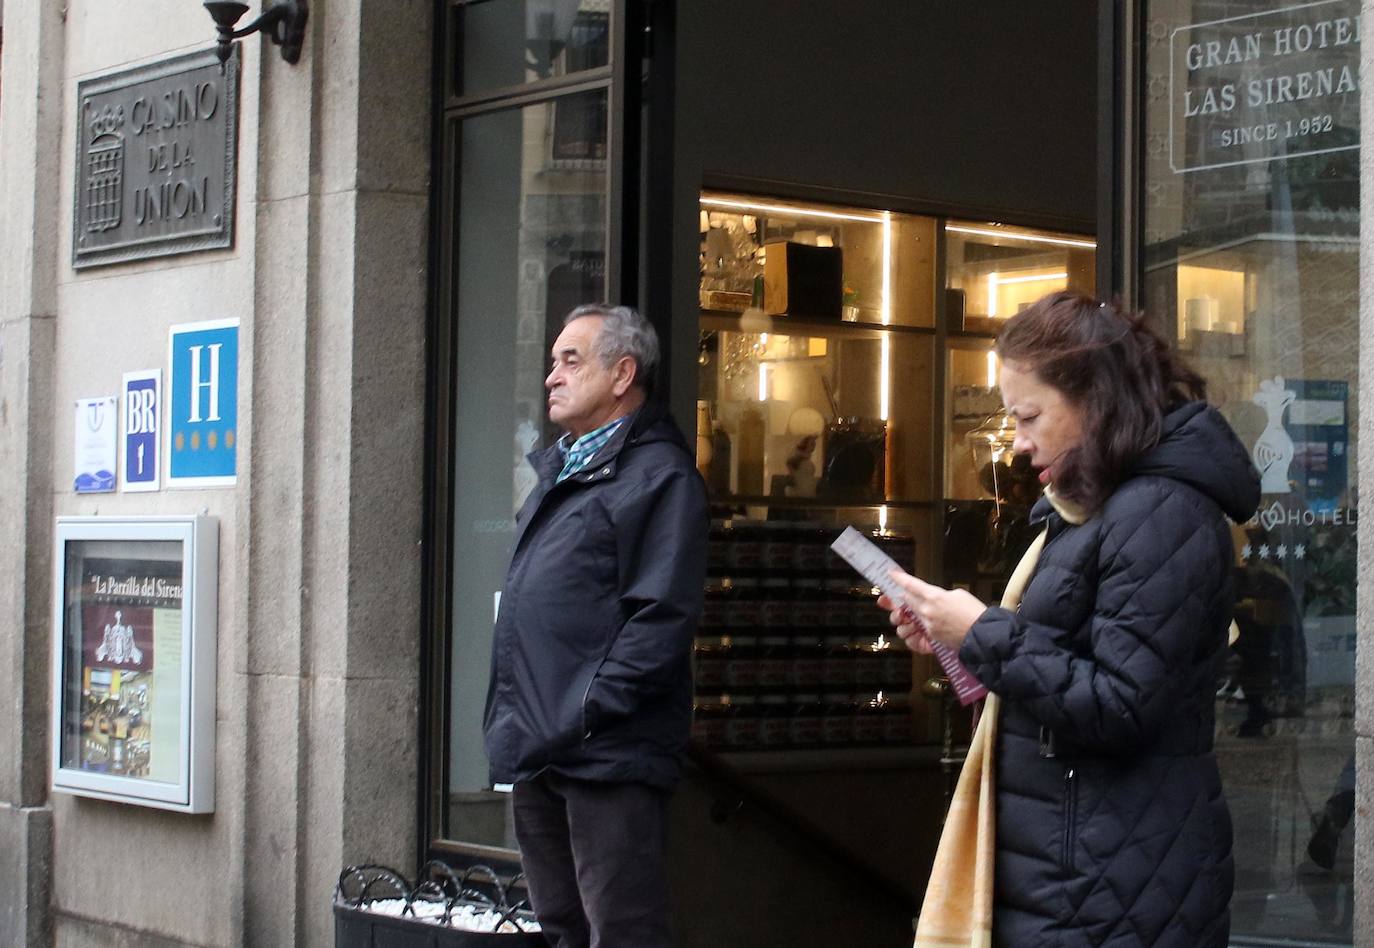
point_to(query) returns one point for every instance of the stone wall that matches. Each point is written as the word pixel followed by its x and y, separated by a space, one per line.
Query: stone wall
pixel 319 592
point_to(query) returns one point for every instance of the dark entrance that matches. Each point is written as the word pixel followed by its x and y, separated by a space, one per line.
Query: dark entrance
pixel 950 157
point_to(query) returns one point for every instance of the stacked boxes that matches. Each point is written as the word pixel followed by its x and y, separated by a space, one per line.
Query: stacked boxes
pixel 792 650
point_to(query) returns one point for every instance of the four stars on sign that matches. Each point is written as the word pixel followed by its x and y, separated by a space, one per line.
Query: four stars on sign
pixel 1280 552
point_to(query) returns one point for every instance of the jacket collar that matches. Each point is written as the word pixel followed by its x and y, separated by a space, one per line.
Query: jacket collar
pixel 548 462
pixel 1051 505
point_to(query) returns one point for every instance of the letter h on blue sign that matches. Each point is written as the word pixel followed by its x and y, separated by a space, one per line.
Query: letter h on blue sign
pixel 203 403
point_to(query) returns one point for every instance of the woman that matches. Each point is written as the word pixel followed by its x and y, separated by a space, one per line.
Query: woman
pixel 1111 825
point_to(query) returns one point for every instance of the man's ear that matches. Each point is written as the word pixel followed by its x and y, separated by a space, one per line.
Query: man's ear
pixel 623 376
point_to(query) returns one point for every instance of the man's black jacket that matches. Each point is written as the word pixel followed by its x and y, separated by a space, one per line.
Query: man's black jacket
pixel 591 660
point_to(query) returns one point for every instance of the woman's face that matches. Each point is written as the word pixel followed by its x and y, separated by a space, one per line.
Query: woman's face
pixel 1047 424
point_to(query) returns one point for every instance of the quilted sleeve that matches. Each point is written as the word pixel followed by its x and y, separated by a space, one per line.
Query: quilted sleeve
pixel 1162 571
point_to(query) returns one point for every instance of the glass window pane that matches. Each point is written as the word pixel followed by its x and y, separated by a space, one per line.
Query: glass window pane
pixel 816 262
pixel 511 42
pixel 1251 224
pixel 995 270
pixel 837 415
pixel 531 244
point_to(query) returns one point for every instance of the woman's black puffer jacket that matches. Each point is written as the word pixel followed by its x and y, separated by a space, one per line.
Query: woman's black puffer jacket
pixel 1111 824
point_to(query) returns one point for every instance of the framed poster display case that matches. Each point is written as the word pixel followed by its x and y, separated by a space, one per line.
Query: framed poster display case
pixel 134 628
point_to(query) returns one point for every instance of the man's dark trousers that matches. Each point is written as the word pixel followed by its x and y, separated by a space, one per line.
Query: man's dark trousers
pixel 595 859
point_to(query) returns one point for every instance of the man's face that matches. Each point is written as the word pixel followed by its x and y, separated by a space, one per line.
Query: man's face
pixel 583 395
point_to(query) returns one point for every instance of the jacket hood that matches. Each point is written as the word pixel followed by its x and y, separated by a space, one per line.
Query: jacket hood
pixel 1198 447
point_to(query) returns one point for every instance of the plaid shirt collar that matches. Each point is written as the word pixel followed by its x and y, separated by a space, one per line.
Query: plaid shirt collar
pixel 580 454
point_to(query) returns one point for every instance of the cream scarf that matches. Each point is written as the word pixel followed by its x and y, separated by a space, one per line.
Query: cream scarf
pixel 957 910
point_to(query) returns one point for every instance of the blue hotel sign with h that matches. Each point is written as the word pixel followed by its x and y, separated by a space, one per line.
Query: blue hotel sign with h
pixel 202 436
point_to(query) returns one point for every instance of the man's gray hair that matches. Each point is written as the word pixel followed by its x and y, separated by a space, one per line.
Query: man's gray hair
pixel 624 332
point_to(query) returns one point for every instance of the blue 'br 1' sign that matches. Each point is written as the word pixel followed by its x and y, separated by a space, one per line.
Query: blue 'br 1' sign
pixel 142 427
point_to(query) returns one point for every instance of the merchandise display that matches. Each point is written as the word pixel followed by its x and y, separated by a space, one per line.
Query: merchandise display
pixel 792 650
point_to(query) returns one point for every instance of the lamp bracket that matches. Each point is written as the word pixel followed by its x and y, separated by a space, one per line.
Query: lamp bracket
pixel 283 23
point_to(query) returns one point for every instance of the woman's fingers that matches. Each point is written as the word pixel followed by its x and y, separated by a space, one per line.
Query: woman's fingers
pixel 898 613
pixel 916 591
pixel 913 638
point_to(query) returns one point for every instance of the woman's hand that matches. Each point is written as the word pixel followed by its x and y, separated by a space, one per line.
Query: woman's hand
pixel 911 632
pixel 946 614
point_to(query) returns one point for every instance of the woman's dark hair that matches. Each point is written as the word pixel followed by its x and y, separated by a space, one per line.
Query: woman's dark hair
pixel 1120 374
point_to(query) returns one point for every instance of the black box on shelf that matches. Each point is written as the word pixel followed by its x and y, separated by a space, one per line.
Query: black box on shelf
pixel 803 281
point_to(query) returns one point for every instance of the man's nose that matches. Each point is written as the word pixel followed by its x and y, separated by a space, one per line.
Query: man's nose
pixel 551 379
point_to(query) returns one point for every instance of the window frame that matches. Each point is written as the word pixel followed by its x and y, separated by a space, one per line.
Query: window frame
pixel 442 386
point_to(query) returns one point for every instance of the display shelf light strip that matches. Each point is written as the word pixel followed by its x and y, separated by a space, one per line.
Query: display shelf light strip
pixel 996 280
pixel 884 393
pixel 1031 238
pixel 785 209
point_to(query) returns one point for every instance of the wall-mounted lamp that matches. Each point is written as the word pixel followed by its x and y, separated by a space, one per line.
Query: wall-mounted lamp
pixel 283 23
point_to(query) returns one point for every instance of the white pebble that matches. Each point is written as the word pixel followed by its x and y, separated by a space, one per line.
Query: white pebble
pixel 468 918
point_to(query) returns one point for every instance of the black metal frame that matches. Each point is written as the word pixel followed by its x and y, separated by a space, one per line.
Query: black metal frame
pixel 1120 103
pixel 623 271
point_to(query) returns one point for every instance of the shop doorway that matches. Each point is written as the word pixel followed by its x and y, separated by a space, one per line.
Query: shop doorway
pixel 650 152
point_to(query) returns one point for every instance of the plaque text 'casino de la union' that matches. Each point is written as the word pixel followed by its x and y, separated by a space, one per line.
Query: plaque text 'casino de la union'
pixel 155 155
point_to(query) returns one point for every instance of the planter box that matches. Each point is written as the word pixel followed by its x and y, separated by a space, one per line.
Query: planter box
pixel 356 928
pixel 475 892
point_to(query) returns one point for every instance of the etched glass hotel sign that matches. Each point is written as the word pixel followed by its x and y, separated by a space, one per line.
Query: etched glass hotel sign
pixel 1265 86
pixel 155 157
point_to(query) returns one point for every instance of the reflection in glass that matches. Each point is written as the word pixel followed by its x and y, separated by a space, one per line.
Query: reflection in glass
pixel 512 42
pixel 531 245
pixel 1250 260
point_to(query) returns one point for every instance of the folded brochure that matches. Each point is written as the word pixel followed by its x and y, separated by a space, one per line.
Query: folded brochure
pixel 874 565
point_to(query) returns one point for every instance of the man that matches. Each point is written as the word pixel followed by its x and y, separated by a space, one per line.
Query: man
pixel 590 700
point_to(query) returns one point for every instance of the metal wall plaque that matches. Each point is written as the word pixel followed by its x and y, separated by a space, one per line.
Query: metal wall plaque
pixel 155 159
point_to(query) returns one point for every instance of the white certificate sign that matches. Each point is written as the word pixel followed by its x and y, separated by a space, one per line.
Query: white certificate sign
pixel 96 444
pixel 142 429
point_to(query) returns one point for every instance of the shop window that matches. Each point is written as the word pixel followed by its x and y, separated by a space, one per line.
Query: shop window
pixel 1250 230
pixel 846 376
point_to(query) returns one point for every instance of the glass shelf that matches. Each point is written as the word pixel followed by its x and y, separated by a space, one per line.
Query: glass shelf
pixel 757 321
